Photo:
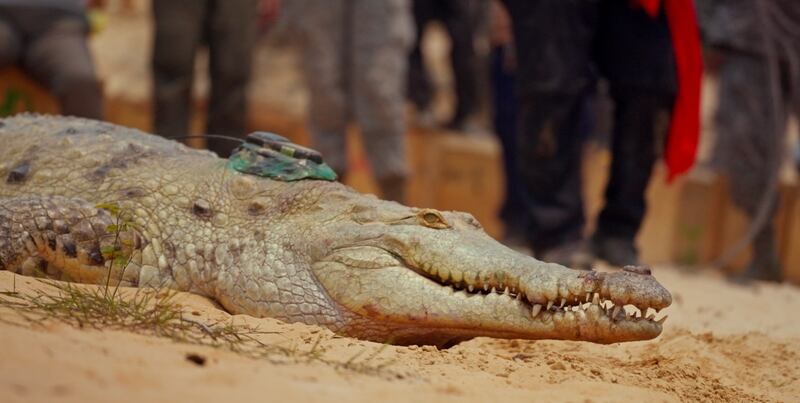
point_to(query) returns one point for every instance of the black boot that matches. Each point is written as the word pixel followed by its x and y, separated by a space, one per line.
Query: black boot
pixel 765 264
pixel 616 251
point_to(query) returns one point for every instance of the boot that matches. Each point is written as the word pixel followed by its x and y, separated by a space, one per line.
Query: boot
pixel 765 264
pixel 618 252
pixel 573 254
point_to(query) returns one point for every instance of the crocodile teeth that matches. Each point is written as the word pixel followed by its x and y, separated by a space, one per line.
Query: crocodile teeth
pixel 588 296
pixel 486 287
pixel 616 311
pixel 494 290
pixel 662 320
pixel 535 310
pixel 596 299
pixel 563 301
pixel 549 305
pixel 651 316
pixel 506 291
pixel 470 288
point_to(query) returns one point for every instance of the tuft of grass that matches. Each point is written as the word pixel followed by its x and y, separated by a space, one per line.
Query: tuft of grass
pixel 155 312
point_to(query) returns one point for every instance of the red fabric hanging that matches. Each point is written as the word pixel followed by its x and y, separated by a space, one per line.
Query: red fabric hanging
pixel 684 128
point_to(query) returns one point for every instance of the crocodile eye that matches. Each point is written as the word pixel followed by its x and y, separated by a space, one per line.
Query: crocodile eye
pixel 433 219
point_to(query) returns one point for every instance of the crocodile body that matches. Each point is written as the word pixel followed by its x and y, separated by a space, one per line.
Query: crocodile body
pixel 309 251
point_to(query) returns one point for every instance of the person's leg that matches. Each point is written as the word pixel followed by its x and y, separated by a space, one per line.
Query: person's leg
pixel 746 130
pixel 463 59
pixel 419 86
pixel 178 30
pixel 10 43
pixel 58 55
pixel 504 102
pixel 549 158
pixel 381 33
pixel 231 36
pixel 638 116
pixel 322 41
pixel 634 52
pixel 553 41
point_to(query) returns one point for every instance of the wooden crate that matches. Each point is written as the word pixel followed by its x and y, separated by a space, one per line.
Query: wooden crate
pixel 734 224
pixel 20 93
pixel 464 174
pixel 791 240
pixel 657 237
pixel 698 219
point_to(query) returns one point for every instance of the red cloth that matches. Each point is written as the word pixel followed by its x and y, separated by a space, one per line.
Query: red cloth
pixel 684 128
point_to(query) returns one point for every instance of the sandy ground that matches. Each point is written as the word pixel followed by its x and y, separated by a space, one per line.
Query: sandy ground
pixel 722 343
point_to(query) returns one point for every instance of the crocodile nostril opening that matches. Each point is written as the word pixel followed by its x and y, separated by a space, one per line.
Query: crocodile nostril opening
pixel 640 269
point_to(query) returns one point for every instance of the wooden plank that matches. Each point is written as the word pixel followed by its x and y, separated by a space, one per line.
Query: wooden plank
pixel 657 237
pixel 735 223
pixel 791 241
pixel 20 93
pixel 698 220
pixel 469 178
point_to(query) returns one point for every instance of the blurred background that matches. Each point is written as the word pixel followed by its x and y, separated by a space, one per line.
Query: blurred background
pixel 442 76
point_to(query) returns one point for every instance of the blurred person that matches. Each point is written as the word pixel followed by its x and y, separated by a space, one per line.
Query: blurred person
pixel 561 46
pixel 49 40
pixel 504 119
pixel 355 61
pixel 756 51
pixel 228 28
pixel 460 23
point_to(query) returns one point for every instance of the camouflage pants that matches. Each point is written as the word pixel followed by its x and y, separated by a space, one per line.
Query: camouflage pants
pixel 354 60
pixel 229 29
pixel 747 129
pixel 52 46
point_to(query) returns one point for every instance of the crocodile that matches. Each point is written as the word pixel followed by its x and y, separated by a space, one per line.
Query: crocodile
pixel 310 251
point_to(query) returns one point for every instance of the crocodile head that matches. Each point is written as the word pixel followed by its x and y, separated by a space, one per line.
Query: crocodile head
pixel 420 276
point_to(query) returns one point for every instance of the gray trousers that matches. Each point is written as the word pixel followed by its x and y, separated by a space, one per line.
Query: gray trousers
pixel 746 127
pixel 181 27
pixel 51 45
pixel 355 63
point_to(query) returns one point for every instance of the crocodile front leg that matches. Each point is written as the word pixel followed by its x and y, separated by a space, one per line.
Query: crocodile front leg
pixel 66 239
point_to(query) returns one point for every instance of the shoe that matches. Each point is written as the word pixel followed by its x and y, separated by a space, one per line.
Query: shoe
pixel 575 255
pixel 618 252
pixel 765 264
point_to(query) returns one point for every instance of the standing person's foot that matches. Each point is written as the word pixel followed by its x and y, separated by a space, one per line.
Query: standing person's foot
pixel 765 264
pixel 573 254
pixel 618 252
pixel 760 271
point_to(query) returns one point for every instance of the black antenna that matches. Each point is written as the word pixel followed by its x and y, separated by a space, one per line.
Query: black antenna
pixel 202 136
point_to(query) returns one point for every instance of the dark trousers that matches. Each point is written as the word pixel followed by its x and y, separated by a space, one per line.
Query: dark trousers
pixel 228 27
pixel 504 103
pixel 562 46
pixel 51 45
pixel 457 19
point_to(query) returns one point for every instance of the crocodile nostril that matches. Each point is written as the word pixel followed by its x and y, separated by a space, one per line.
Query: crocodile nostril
pixel 640 269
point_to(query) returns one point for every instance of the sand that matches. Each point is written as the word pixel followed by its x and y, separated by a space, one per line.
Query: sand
pixel 722 342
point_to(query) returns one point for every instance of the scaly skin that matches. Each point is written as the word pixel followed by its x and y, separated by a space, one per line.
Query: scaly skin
pixel 310 251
